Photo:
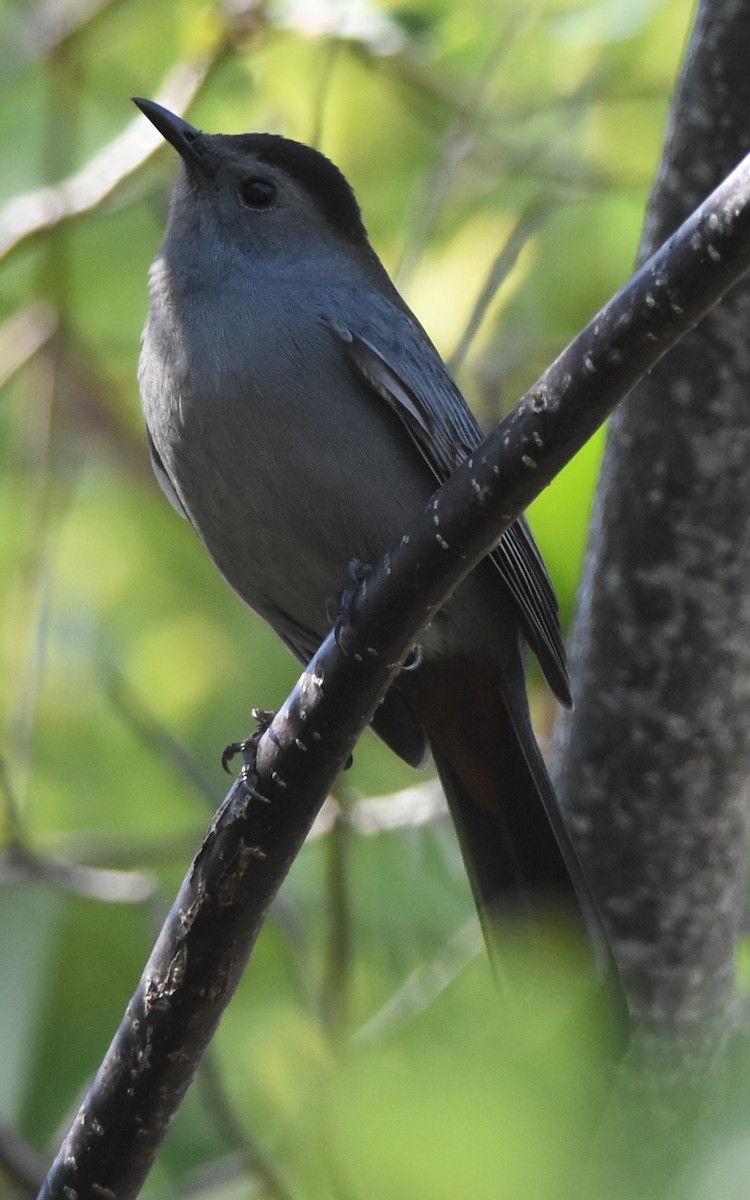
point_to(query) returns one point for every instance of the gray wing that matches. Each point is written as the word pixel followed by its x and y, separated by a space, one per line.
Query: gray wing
pixel 391 351
pixel 165 483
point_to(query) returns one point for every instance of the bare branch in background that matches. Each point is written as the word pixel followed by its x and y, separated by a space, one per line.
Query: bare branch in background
pixel 39 211
pixel 94 883
pixel 407 809
pixel 46 25
pixel 22 335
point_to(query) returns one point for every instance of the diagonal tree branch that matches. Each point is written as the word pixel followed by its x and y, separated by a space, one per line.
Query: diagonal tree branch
pixel 207 938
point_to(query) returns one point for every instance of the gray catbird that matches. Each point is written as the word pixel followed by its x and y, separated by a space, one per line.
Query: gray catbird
pixel 300 417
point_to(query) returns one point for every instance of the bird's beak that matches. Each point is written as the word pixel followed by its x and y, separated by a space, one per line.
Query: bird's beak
pixel 188 141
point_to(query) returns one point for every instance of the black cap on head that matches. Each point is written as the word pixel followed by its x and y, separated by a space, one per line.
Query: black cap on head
pixel 312 170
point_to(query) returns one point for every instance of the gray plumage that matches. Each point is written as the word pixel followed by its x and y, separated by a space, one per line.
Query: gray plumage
pixel 300 417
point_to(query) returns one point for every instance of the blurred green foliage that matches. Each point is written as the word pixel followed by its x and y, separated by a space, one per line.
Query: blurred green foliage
pixel 365 1054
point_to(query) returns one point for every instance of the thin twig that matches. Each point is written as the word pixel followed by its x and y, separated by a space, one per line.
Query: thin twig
pixel 252 1158
pixel 154 735
pixel 332 54
pixel 525 227
pixel 425 984
pixel 456 145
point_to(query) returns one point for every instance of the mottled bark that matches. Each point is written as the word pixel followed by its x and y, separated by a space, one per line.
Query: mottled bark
pixel 655 760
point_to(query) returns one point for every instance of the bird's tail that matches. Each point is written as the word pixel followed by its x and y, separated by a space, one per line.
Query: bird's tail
pixel 518 853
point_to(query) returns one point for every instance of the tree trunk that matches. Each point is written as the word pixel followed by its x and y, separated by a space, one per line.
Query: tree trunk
pixel 653 764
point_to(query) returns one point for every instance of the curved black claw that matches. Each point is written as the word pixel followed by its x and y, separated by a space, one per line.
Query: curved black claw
pixel 414 659
pixel 247 749
pixel 231 751
pixel 339 611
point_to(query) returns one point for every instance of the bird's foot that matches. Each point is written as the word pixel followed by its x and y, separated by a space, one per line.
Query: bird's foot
pixel 414 658
pixel 247 749
pixel 340 609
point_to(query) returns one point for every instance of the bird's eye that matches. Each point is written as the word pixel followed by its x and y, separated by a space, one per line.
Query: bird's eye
pixel 257 193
